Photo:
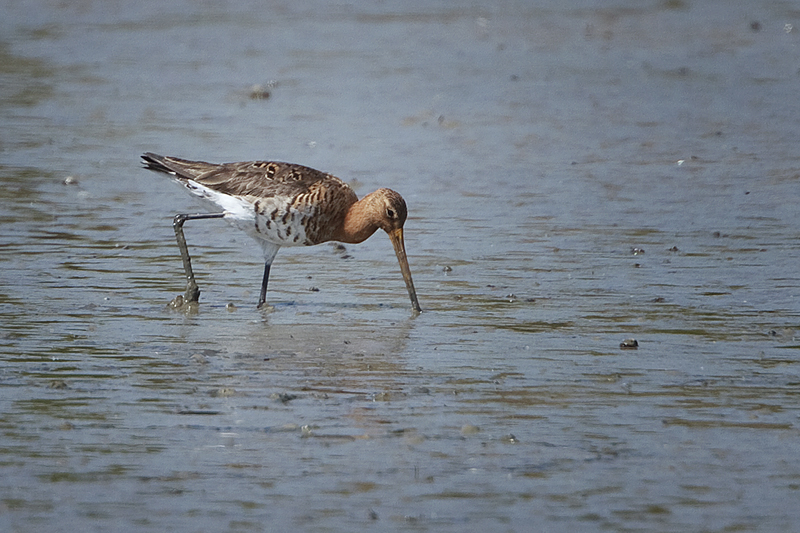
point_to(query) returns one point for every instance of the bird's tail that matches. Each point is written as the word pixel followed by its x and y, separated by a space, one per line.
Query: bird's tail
pixel 180 168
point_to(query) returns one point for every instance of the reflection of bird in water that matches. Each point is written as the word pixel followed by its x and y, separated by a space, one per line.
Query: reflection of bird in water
pixel 282 204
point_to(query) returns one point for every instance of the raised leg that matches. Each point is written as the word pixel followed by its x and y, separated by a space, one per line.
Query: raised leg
pixel 192 294
pixel 263 298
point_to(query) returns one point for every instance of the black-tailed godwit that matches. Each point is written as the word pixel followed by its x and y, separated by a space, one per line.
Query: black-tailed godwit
pixel 283 204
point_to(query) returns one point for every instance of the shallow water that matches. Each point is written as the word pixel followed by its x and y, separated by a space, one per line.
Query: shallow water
pixel 576 176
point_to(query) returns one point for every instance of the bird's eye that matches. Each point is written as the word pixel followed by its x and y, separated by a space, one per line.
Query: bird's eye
pixel 390 212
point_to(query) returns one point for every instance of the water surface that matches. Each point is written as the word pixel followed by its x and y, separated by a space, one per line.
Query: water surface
pixel 576 175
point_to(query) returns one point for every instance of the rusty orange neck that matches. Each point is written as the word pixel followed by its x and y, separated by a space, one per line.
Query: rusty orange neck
pixel 360 221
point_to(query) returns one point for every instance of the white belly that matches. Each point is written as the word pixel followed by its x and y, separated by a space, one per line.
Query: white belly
pixel 265 219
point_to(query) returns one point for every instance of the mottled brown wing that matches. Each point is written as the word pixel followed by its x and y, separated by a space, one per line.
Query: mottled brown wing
pixel 252 178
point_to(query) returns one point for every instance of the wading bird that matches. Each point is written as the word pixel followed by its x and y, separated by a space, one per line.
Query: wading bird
pixel 283 204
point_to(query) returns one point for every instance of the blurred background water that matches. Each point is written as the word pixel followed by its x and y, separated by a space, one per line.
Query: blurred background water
pixel 577 174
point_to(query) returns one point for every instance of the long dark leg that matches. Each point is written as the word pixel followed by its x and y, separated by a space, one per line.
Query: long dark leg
pixel 192 290
pixel 263 298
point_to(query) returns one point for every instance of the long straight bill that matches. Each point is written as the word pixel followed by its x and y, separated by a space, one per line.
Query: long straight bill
pixel 400 249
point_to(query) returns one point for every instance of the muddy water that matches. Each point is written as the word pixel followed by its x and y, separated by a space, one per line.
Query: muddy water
pixel 576 177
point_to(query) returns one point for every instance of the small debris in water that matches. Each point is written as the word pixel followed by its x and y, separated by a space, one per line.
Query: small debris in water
pixel 313 289
pixel 629 344
pixel 230 307
pixel 782 332
pixel 259 92
pixel 283 397
pixel 447 268
pixel 509 439
pixel 637 251
pixel 341 250
pixel 70 180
